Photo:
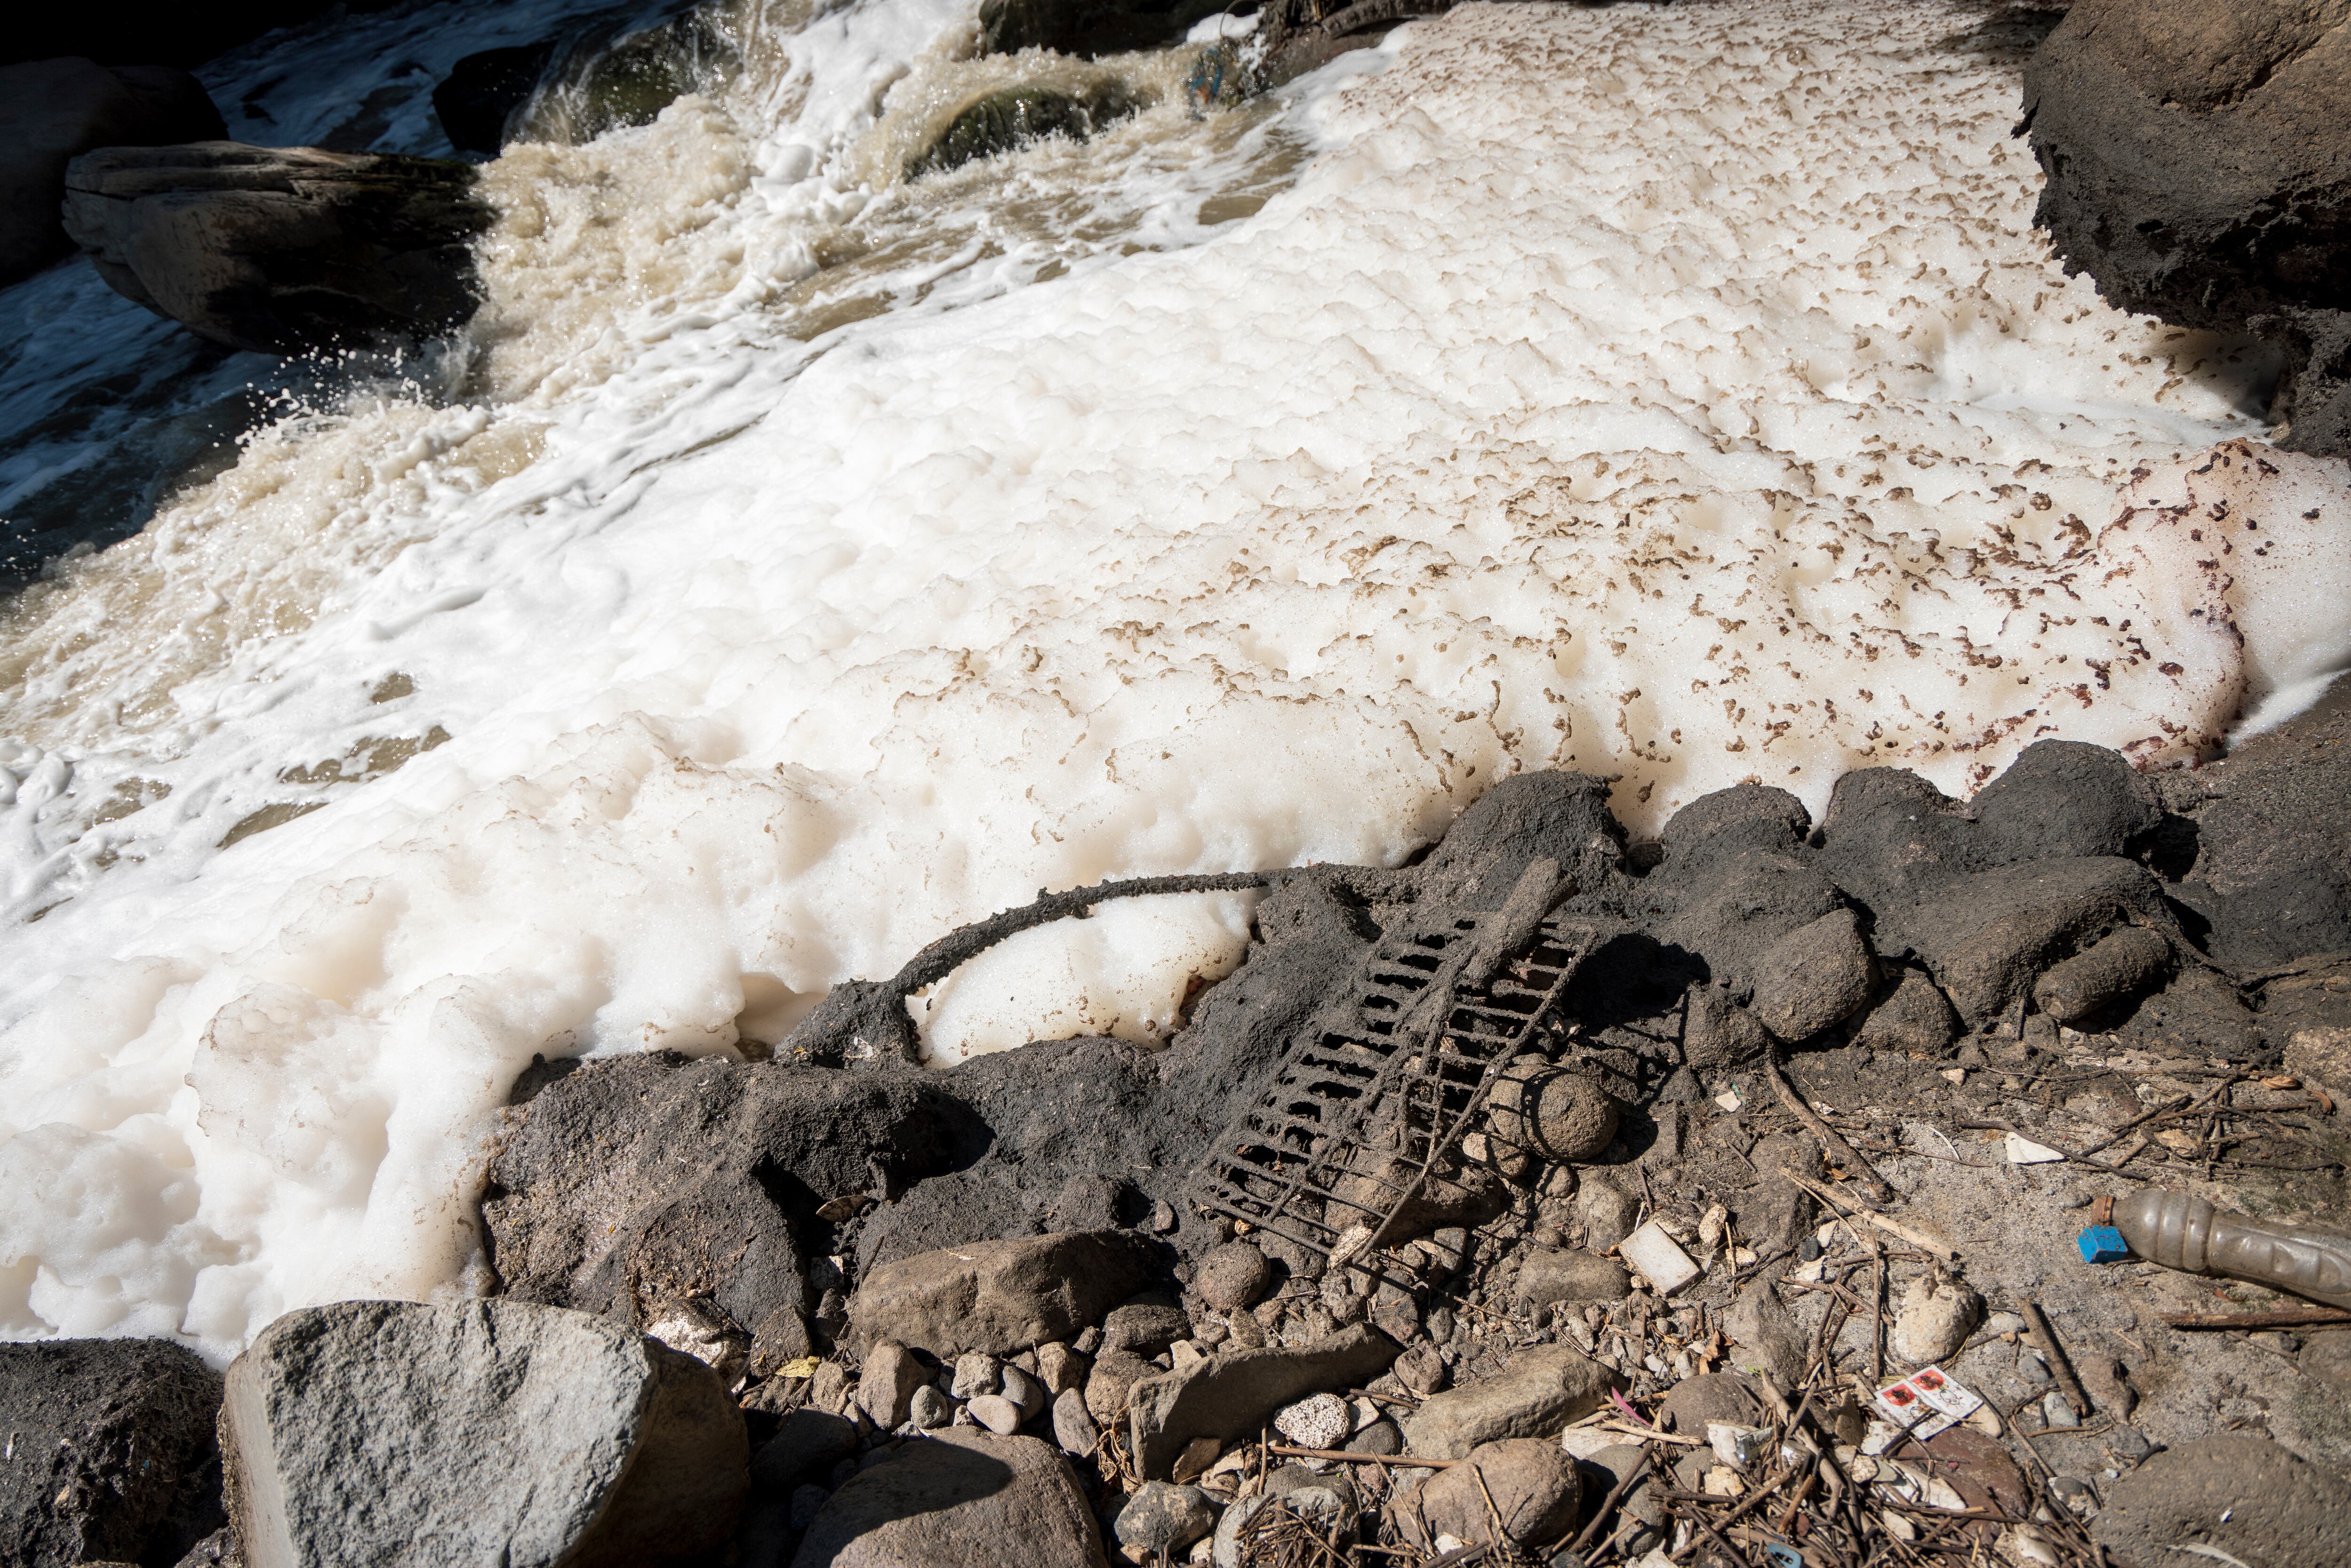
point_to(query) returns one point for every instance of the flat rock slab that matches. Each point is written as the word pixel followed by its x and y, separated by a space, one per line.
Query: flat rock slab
pixel 956 1498
pixel 496 1433
pixel 1539 1393
pixel 1230 1396
pixel 112 1455
pixel 999 1296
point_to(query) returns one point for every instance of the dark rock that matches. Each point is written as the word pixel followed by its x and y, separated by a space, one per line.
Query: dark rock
pixel 1913 1019
pixel 1716 828
pixel 1535 1396
pixel 610 78
pixel 112 1451
pixel 886 1383
pixel 283 250
pixel 956 1495
pixel 1162 1517
pixel 1380 1437
pixel 491 1432
pixel 1816 976
pixel 1015 116
pixel 1073 1425
pixel 1529 1485
pixel 2234 1493
pixel 1729 1396
pixel 1230 1396
pixel 2272 868
pixel 51 113
pixel 2060 800
pixel 645 1179
pixel 999 1296
pixel 1145 1327
pixel 1235 1274
pixel 482 91
pixel 1733 913
pixel 2115 967
pixel 2198 168
pixel 806 1442
pixel 1523 818
pixel 1088 28
pixel 1421 1370
pixel 1993 933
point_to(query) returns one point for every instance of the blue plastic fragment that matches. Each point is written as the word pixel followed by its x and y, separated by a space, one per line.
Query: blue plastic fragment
pixel 1784 1555
pixel 2103 1244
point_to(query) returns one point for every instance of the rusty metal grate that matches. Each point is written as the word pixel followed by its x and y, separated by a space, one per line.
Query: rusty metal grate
pixel 1362 1113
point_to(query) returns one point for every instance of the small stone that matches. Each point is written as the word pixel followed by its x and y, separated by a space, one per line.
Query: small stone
pixel 1421 1370
pixel 1024 1391
pixel 976 1373
pixel 1161 1517
pixel 1380 1437
pixel 1163 1217
pixel 1936 1318
pixel 1319 1421
pixel 1146 1328
pixel 1114 1375
pixel 1060 1369
pixel 996 1413
pixel 928 1409
pixel 1088 1342
pixel 2056 1412
pixel 1074 1429
pixel 886 1383
pixel 1193 1462
pixel 1184 1352
pixel 1533 1485
pixel 806 1501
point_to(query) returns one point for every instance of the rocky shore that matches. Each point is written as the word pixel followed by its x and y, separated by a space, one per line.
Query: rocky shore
pixel 1936 1180
pixel 1819 1106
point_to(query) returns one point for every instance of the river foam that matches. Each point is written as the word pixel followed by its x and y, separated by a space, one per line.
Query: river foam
pixel 1675 393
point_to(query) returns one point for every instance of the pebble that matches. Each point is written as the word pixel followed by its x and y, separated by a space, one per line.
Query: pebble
pixel 1073 1428
pixel 1161 1518
pixel 1061 1369
pixel 929 1409
pixel 1318 1421
pixel 996 1413
pixel 1023 1391
pixel 976 1373
pixel 1936 1318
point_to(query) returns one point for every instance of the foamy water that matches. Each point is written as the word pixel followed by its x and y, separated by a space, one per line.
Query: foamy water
pixel 796 562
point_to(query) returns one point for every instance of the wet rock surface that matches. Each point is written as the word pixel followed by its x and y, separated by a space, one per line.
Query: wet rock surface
pixel 53 111
pixel 283 250
pixel 112 1455
pixel 2200 171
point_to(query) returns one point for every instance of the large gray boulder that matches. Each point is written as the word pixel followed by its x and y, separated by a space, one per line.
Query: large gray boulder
pixel 2200 169
pixel 1536 1395
pixel 283 250
pixel 111 1457
pixel 1000 1296
pixel 1230 1396
pixel 52 111
pixel 957 1497
pixel 496 1433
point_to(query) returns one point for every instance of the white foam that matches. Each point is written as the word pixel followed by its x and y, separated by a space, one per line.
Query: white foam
pixel 1675 393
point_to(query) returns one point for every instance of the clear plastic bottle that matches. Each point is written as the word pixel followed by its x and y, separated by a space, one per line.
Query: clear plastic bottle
pixel 2180 1231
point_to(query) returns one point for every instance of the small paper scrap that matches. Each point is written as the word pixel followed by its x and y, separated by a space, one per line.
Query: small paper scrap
pixel 2023 1150
pixel 1931 1390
